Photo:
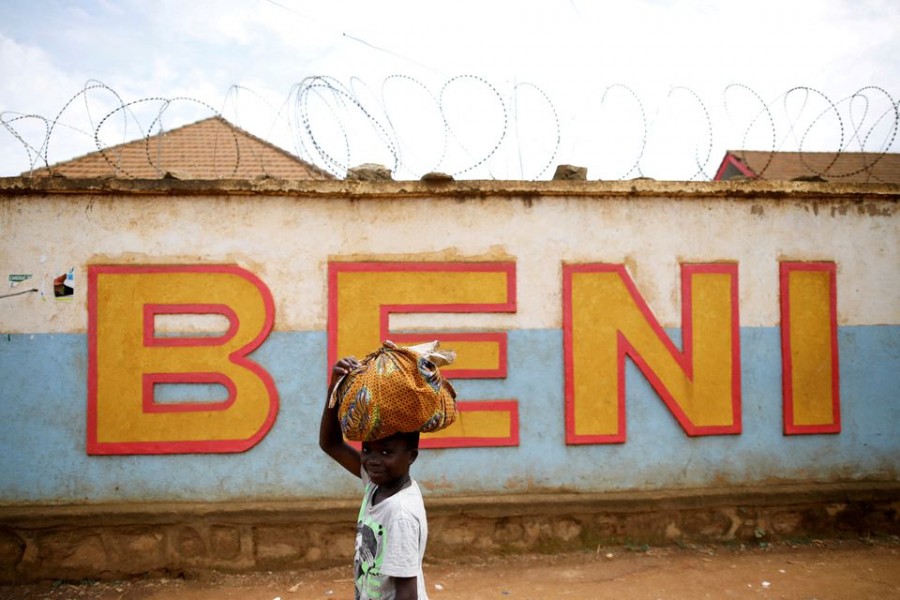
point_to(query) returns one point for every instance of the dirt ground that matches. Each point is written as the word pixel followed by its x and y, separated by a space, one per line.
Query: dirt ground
pixel 817 570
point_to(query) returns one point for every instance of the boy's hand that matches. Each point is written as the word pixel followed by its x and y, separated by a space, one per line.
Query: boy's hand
pixel 342 367
pixel 345 365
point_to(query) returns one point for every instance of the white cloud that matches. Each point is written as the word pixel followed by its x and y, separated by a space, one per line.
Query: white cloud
pixel 31 85
pixel 573 51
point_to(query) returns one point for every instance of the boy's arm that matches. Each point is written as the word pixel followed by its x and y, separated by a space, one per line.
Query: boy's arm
pixel 405 588
pixel 331 440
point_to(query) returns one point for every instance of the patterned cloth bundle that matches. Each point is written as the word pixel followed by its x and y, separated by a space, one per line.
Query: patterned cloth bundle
pixel 396 389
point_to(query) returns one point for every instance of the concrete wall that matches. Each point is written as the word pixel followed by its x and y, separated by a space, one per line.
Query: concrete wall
pixel 290 236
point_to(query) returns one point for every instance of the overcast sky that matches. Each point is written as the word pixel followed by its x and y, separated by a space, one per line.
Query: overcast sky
pixel 630 88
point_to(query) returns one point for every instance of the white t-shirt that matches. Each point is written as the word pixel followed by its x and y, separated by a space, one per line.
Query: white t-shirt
pixel 390 542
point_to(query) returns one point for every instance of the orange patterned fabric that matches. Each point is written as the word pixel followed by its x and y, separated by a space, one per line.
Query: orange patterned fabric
pixel 395 389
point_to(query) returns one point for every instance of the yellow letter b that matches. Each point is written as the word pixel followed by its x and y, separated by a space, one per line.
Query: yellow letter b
pixel 129 357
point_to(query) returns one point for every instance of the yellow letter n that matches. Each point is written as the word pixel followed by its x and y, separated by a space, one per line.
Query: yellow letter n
pixel 606 320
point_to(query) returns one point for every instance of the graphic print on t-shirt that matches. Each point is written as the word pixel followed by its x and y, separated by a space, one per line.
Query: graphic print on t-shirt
pixel 369 556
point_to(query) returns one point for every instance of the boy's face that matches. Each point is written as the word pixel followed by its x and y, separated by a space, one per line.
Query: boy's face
pixel 387 460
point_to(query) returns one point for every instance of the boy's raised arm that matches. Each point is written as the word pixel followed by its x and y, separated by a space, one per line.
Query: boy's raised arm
pixel 331 440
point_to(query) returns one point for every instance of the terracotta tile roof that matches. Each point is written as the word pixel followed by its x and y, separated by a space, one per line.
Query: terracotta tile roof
pixel 844 167
pixel 209 149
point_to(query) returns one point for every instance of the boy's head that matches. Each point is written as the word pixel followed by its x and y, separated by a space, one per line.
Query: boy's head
pixel 388 460
pixel 411 438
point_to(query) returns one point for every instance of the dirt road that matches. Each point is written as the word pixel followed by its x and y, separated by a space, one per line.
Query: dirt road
pixel 847 570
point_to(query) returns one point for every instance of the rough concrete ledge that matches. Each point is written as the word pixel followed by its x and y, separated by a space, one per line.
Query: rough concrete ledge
pixel 109 541
pixel 466 189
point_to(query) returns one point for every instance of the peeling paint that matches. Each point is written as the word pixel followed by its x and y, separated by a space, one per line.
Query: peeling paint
pixel 876 210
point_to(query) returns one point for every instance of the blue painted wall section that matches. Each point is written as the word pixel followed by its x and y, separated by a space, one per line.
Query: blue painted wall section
pixel 43 405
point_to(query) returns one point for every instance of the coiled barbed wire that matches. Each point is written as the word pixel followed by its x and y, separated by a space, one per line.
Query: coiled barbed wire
pixel 555 125
pixel 763 110
pixel 636 166
pixel 470 127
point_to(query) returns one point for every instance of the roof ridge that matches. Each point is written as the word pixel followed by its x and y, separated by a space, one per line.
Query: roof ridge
pixel 795 165
pixel 271 145
pixel 146 139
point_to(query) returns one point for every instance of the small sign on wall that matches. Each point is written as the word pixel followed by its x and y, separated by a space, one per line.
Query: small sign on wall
pixel 64 285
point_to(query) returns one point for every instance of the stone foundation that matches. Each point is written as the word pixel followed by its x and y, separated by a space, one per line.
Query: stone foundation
pixel 93 541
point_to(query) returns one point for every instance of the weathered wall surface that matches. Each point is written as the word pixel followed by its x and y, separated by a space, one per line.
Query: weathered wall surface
pixel 111 541
pixel 614 337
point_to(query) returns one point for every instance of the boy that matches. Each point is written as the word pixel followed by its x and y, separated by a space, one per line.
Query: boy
pixel 392 529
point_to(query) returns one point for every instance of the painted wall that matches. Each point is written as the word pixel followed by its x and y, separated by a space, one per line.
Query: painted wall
pixel 612 336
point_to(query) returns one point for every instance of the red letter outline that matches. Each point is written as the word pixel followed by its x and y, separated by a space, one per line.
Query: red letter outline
pixel 791 428
pixel 238 357
pixel 684 359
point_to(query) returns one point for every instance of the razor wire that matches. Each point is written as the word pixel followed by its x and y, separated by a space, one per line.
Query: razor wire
pixel 470 127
